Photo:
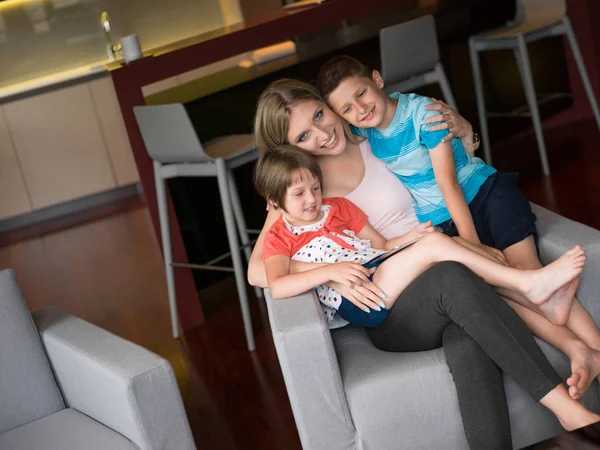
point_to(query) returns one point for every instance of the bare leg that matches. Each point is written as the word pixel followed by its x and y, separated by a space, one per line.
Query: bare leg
pixel 549 310
pixel 473 248
pixel 585 362
pixel 581 323
pixel 523 255
pixel 537 286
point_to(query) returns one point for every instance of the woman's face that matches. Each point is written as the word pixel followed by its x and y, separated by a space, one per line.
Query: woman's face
pixel 315 128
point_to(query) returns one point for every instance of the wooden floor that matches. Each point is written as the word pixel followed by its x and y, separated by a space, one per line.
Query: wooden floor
pixel 108 271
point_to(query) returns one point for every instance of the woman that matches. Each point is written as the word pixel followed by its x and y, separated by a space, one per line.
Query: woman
pixel 447 305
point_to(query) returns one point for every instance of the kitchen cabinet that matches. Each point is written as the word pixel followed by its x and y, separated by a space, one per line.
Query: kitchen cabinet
pixel 113 130
pixel 59 143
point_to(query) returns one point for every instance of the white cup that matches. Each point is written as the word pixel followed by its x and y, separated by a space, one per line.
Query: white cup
pixel 131 48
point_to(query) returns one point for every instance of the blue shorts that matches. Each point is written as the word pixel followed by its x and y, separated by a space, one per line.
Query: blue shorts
pixel 501 213
pixel 356 316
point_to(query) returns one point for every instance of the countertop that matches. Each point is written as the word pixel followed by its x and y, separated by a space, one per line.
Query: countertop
pixel 54 81
pixel 85 73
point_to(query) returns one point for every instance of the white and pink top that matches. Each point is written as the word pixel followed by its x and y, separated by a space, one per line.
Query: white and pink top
pixel 383 198
pixel 330 240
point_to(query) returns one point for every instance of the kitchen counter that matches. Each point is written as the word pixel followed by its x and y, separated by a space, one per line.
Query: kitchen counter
pixel 47 83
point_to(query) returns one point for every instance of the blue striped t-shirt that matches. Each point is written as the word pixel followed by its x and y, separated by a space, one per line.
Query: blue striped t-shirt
pixel 404 147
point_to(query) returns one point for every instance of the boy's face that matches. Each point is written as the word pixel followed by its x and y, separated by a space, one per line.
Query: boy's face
pixel 303 199
pixel 362 102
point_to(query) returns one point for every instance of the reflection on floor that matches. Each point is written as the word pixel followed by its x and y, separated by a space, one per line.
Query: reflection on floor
pixel 108 271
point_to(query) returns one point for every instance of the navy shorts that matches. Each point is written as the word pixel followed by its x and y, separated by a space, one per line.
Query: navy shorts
pixel 501 213
pixel 356 316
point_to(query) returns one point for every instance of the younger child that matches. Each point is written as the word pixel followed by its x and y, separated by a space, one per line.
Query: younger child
pixel 334 236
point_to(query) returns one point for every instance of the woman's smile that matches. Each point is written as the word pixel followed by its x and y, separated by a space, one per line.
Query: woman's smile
pixel 332 140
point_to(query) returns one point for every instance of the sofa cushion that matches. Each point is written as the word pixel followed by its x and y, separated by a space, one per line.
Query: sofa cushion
pixel 65 430
pixel 409 399
pixel 398 400
pixel 27 388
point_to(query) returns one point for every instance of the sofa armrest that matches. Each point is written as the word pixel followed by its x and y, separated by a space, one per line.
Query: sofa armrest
pixel 557 235
pixel 311 372
pixel 117 383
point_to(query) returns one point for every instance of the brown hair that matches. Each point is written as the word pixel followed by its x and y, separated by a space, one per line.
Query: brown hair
pixel 336 70
pixel 274 171
pixel 272 119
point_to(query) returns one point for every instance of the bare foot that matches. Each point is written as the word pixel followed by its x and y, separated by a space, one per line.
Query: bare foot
pixel 569 412
pixel 558 306
pixel 554 282
pixel 585 366
pixel 578 420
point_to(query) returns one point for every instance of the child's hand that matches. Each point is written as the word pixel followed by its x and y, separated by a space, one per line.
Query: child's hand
pixel 493 253
pixel 350 274
pixel 422 229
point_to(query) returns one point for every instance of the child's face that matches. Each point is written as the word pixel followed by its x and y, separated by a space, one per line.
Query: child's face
pixel 362 102
pixel 315 128
pixel 303 199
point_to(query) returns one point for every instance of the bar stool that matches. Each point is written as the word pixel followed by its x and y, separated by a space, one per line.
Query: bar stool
pixel 534 20
pixel 410 57
pixel 173 145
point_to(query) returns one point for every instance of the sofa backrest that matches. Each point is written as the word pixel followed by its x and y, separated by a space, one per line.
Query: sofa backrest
pixel 28 390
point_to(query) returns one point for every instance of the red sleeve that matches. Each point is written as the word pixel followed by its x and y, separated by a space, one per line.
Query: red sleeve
pixel 276 242
pixel 350 213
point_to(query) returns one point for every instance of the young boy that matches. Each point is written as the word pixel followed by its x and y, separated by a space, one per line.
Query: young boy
pixel 443 179
pixel 459 193
pixel 332 237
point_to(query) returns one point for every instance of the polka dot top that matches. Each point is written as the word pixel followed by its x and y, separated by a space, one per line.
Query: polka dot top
pixel 330 240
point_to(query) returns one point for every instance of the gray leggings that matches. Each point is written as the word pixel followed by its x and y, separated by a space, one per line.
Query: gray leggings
pixel 450 306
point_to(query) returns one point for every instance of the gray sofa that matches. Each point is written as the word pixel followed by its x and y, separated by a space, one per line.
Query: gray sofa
pixel 346 394
pixel 68 385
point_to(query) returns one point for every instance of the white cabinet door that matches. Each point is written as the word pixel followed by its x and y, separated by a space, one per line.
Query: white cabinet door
pixel 60 146
pixel 13 194
pixel 113 129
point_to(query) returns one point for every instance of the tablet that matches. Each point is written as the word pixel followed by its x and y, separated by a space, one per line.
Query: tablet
pixel 381 258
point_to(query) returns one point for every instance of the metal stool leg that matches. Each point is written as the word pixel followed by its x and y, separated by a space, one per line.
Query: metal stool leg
pixel 238 268
pixel 477 80
pixel 522 56
pixel 582 70
pixel 446 90
pixel 165 234
pixel 241 223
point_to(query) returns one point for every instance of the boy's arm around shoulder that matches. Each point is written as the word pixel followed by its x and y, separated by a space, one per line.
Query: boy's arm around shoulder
pixel 444 169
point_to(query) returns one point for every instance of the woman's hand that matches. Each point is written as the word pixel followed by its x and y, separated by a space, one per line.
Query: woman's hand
pixel 367 296
pixel 456 124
